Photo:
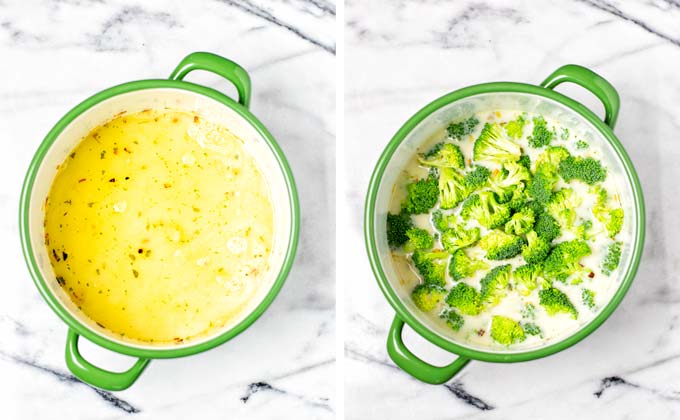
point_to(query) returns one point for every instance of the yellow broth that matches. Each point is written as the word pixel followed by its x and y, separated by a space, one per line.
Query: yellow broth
pixel 159 226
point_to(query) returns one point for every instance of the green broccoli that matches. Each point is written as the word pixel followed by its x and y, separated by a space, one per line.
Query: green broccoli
pixel 536 248
pixel 612 258
pixel 549 160
pixel 422 196
pixel 562 206
pixel 563 260
pixel 541 186
pixel 540 135
pixel 518 198
pixel 462 266
pixel 457 237
pixel 462 128
pixel 527 277
pixel 506 331
pixel 492 145
pixel 555 301
pixel 525 161
pixel 418 239
pixel 446 155
pixel 452 189
pixel 582 145
pixel 531 329
pixel 453 319
pixel 583 231
pixel 484 208
pixel 520 222
pixel 494 285
pixel 546 227
pixel 500 245
pixel 611 218
pixel 588 298
pixel 477 178
pixel 515 128
pixel 502 182
pixel 427 296
pixel 431 265
pixel 587 169
pixel 397 226
pixel 465 298
pixel 442 221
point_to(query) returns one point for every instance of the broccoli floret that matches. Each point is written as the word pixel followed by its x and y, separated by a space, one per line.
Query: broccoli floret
pixel 612 258
pixel 418 239
pixel 512 175
pixel 492 145
pixel 431 265
pixel 500 245
pixel 583 231
pixel 611 218
pixel 427 296
pixel 484 208
pixel 563 260
pixel 397 226
pixel 520 222
pixel 562 206
pixel 555 301
pixel 494 285
pixel 477 178
pixel 540 134
pixel 587 169
pixel 462 128
pixel 588 298
pixel 546 227
pixel 446 155
pixel 462 266
pixel 453 319
pixel 515 128
pixel 581 145
pixel 549 161
pixel 518 199
pixel 527 277
pixel 443 221
pixel 452 189
pixel 457 237
pixel 536 249
pixel 531 329
pixel 525 161
pixel 422 196
pixel 541 186
pixel 465 298
pixel 506 331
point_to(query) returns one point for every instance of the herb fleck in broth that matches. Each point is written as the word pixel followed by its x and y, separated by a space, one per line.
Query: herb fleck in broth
pixel 516 311
pixel 159 226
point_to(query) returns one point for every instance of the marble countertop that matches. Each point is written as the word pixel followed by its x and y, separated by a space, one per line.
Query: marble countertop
pixel 400 56
pixel 53 54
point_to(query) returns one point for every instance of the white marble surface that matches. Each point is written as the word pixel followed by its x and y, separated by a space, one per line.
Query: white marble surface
pixel 53 54
pixel 401 55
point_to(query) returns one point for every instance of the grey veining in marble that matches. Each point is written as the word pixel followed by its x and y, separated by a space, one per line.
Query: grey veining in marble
pixel 400 55
pixel 54 54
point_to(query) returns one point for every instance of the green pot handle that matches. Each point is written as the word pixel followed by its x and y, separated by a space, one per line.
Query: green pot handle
pixel 415 367
pixel 87 372
pixel 591 81
pixel 218 65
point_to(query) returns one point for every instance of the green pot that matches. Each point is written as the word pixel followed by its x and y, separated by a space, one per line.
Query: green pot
pixel 137 96
pixel 459 104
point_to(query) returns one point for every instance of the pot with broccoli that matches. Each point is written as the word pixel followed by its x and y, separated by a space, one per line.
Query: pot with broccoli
pixel 509 229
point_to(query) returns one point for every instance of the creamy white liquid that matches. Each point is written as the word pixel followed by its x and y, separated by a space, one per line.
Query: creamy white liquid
pixel 554 327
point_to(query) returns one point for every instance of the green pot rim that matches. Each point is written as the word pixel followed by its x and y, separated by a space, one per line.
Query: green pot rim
pixel 391 295
pixel 64 313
